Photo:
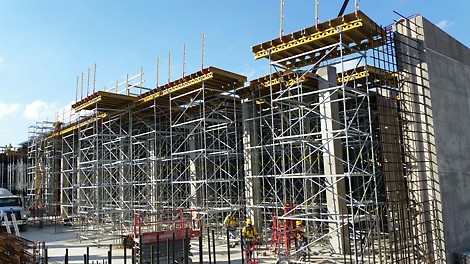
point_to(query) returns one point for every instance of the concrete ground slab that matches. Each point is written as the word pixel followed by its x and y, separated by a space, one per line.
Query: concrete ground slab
pixel 60 238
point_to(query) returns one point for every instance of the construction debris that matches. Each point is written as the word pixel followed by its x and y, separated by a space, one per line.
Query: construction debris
pixel 14 249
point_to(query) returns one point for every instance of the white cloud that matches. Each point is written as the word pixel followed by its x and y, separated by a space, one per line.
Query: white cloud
pixel 40 110
pixel 443 24
pixel 7 109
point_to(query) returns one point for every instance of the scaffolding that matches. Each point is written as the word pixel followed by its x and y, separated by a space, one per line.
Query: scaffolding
pixel 43 178
pixel 317 140
pixel 106 191
pixel 325 140
pixel 131 149
pixel 205 152
pixel 13 169
pixel 329 137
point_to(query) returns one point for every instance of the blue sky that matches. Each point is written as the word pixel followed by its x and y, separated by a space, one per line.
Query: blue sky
pixel 45 45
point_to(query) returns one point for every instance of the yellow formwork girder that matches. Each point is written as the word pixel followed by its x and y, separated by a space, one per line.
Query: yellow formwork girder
pixel 177 87
pixel 348 26
pixel 289 82
pixel 87 104
pixel 103 99
pixel 354 76
pixel 76 126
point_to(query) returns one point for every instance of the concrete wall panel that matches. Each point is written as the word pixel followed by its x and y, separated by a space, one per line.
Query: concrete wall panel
pixel 449 78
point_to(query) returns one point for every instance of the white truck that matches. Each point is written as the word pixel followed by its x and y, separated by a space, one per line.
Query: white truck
pixel 12 204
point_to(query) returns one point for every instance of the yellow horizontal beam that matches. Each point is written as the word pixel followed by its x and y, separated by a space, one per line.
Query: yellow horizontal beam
pixel 177 87
pixel 106 97
pixel 277 81
pixel 76 126
pixel 288 79
pixel 354 76
pixel 309 38
pixel 240 78
pixel 87 104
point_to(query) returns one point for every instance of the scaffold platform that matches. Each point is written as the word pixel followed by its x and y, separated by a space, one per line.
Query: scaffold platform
pixel 306 46
pixel 104 100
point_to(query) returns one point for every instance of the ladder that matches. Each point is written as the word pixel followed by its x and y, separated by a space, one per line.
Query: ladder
pixel 13 221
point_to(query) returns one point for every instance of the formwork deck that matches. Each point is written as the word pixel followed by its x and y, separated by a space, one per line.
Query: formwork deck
pixel 371 75
pixel 278 80
pixel 211 77
pixel 360 75
pixel 69 128
pixel 103 100
pixel 308 45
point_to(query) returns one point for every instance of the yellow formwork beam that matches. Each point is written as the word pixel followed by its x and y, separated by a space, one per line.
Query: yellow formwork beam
pixel 103 98
pixel 354 76
pixel 373 73
pixel 277 81
pixel 217 76
pixel 177 87
pixel 287 80
pixel 76 126
pixel 309 45
pixel 87 104
pixel 348 26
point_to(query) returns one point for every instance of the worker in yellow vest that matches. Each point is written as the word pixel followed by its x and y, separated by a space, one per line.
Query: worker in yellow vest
pixel 250 237
pixel 301 235
pixel 231 222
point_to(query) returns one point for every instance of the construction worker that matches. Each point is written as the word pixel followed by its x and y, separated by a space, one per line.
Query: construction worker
pixel 301 237
pixel 230 223
pixel 57 126
pixel 250 236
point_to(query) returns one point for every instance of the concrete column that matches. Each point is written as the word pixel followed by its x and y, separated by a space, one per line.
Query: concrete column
pixel 153 172
pixel 64 183
pixel 124 177
pixel 57 172
pixel 251 164
pixel 332 162
pixel 310 155
pixel 195 176
pixel 78 184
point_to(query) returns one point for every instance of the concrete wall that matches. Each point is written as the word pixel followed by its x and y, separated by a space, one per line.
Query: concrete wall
pixel 435 75
pixel 448 63
pixel 419 143
pixel 435 70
